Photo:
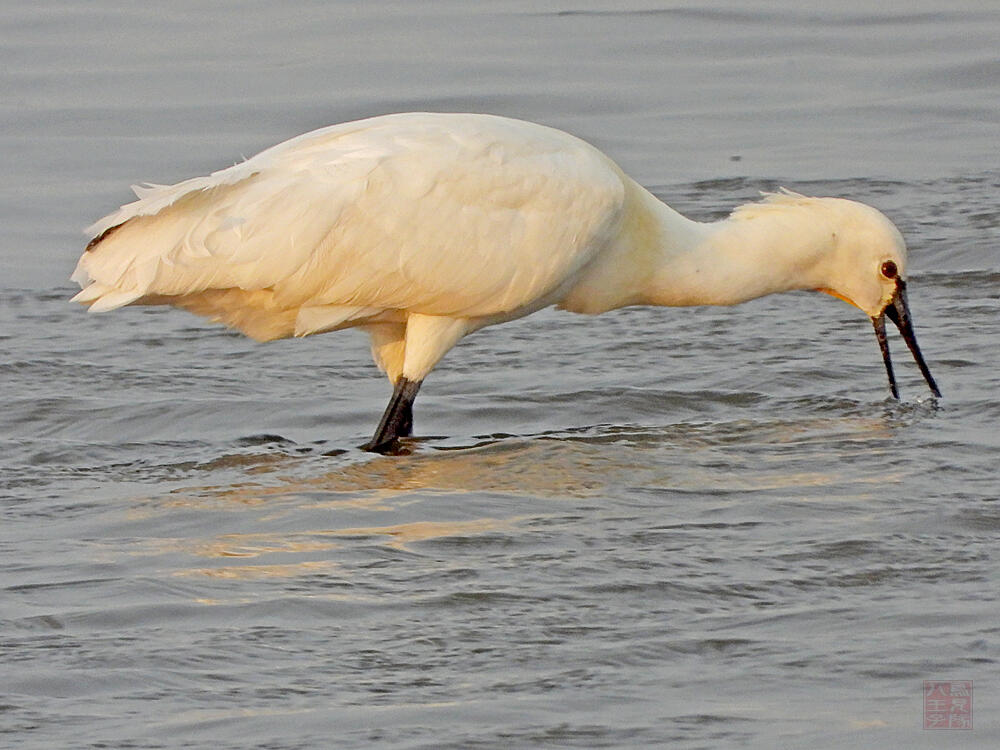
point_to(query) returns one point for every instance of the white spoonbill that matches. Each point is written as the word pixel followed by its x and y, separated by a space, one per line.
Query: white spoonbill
pixel 422 228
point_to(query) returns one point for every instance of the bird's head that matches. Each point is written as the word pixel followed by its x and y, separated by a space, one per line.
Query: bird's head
pixel 867 268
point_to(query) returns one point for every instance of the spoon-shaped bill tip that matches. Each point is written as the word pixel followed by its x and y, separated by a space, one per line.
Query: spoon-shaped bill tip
pixel 899 313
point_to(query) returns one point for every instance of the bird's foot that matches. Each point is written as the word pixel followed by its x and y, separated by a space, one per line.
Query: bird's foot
pixel 391 446
pixel 397 422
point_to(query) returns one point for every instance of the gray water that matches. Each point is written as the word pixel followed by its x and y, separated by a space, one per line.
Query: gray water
pixel 686 528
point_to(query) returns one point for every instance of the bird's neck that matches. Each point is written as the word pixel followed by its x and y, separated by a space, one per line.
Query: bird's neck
pixel 755 252
pixel 660 257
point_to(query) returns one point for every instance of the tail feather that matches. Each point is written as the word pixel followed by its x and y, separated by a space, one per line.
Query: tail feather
pixel 91 293
pixel 113 299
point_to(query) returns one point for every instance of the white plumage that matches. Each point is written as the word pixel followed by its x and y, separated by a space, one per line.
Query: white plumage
pixel 389 214
pixel 421 228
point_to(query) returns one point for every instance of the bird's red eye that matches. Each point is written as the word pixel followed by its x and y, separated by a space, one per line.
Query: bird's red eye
pixel 889 269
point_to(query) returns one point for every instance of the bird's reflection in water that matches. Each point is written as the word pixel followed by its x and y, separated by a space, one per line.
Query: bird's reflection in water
pixel 589 462
pixel 317 522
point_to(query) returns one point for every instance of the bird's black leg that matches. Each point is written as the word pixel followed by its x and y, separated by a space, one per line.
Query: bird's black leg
pixel 397 421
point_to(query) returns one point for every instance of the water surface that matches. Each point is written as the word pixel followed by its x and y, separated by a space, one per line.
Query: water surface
pixel 688 528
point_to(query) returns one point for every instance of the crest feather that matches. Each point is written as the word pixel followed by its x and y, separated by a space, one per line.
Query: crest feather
pixel 769 202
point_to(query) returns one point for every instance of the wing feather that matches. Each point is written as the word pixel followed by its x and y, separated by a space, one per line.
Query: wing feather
pixel 462 215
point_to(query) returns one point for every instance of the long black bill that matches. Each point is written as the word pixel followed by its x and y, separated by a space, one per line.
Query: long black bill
pixel 899 313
